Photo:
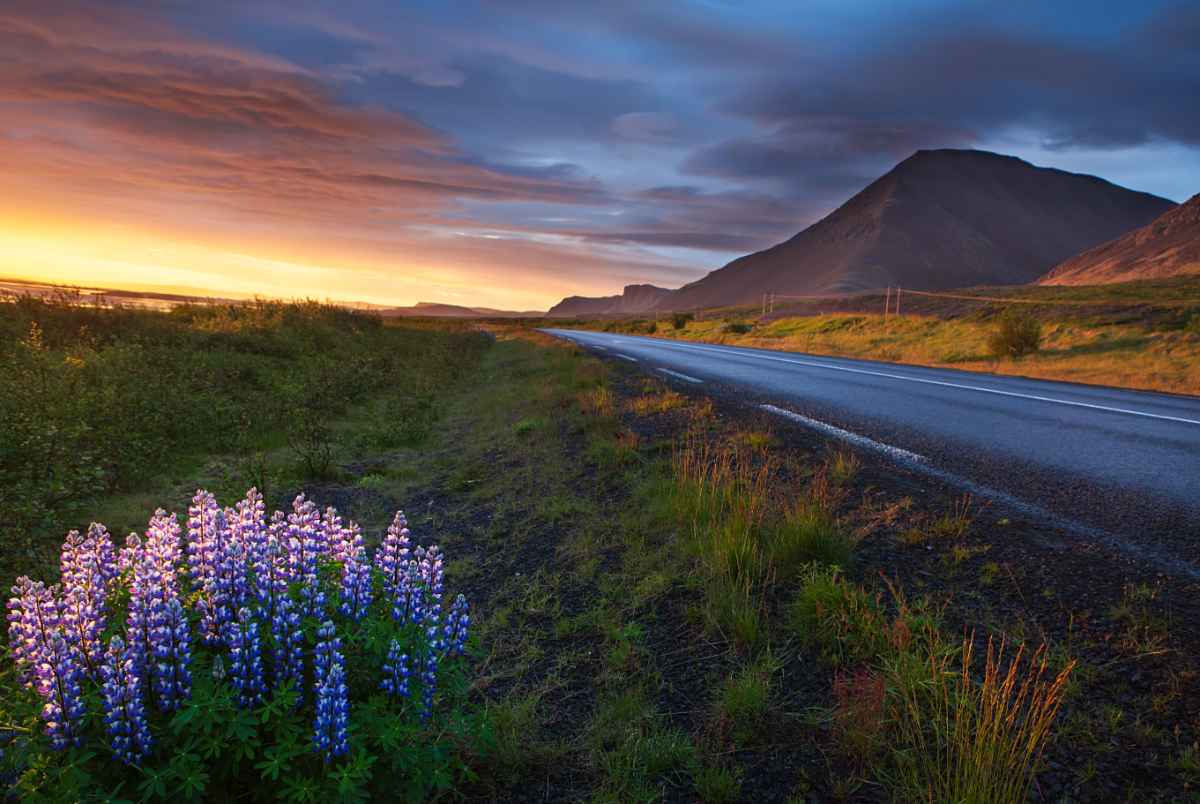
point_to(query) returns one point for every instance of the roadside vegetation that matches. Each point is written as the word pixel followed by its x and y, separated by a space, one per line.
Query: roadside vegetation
pixel 1135 335
pixel 109 413
pixel 675 597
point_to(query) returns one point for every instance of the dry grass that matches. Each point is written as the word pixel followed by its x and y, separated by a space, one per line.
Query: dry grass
pixel 975 741
pixel 648 404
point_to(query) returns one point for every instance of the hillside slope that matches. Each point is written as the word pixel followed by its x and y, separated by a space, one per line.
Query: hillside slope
pixel 1167 246
pixel 939 219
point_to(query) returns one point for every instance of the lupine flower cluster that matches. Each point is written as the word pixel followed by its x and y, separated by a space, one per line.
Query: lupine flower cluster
pixel 260 600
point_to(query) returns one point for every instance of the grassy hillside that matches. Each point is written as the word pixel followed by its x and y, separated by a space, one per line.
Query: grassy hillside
pixel 1137 335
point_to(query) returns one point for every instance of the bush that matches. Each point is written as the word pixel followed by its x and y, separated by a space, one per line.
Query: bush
pixel 680 320
pixel 1017 334
pixel 262 657
pixel 737 328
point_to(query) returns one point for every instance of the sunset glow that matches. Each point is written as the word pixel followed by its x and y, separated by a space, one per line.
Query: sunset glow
pixel 392 154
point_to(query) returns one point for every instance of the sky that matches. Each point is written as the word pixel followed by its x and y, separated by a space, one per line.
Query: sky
pixel 509 153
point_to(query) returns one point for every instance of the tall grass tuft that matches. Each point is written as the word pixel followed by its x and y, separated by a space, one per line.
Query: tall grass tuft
pixel 974 741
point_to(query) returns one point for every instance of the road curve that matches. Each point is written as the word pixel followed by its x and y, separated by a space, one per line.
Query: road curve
pixel 1122 464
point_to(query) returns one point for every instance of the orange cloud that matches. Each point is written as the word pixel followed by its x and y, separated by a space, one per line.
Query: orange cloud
pixel 110 119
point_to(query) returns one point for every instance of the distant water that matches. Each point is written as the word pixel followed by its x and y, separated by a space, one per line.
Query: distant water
pixel 89 297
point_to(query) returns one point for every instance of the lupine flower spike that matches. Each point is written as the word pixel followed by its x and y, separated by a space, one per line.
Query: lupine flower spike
pixel 332 696
pixel 124 710
pixel 395 672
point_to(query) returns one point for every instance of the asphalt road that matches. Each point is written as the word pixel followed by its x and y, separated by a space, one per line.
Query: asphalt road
pixel 1122 465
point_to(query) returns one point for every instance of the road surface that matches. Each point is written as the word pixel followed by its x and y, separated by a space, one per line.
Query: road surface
pixel 1123 465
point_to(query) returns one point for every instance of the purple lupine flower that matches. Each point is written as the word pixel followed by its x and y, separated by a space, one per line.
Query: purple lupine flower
pixel 250 525
pixel 458 623
pixel 433 650
pixel 392 555
pixel 288 643
pixel 407 600
pixel 88 569
pixel 245 659
pixel 34 617
pixel 305 548
pixel 271 575
pixel 129 555
pixel 227 589
pixel 201 536
pixel 335 536
pixel 169 640
pixel 356 585
pixel 396 671
pixel 56 679
pixel 124 706
pixel 83 556
pixel 332 695
pixel 433 575
pixel 144 592
pixel 163 548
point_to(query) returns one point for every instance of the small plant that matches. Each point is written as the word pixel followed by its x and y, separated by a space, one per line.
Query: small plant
pixel 745 698
pixel 312 442
pixel 528 425
pixel 718 785
pixel 859 710
pixel 959 739
pixel 243 650
pixel 680 320
pixel 737 328
pixel 1017 334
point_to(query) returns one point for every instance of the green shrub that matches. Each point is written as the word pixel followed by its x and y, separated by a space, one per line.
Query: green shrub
pixel 680 320
pixel 737 328
pixel 1017 334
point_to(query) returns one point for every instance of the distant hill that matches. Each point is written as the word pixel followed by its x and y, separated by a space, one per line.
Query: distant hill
pixel 1167 246
pixel 436 310
pixel 939 219
pixel 634 299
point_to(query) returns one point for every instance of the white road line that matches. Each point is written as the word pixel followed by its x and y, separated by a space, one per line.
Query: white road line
pixel 627 357
pixel 684 377
pixel 845 435
pixel 944 383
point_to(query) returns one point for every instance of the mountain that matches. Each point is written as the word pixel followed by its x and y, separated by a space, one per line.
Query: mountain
pixel 634 299
pixel 436 310
pixel 939 219
pixel 1167 246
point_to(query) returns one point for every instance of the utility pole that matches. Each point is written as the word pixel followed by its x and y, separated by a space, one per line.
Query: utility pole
pixel 772 302
pixel 887 303
pixel 897 301
pixel 764 312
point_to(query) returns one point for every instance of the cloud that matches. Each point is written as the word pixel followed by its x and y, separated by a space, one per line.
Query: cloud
pixel 108 100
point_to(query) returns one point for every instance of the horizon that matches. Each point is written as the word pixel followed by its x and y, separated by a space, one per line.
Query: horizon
pixel 392 156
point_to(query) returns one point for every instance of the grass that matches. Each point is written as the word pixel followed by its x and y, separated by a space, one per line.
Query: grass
pixel 649 585
pixel 975 741
pixel 111 412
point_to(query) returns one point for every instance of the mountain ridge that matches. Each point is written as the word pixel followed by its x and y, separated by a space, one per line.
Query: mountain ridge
pixel 1167 246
